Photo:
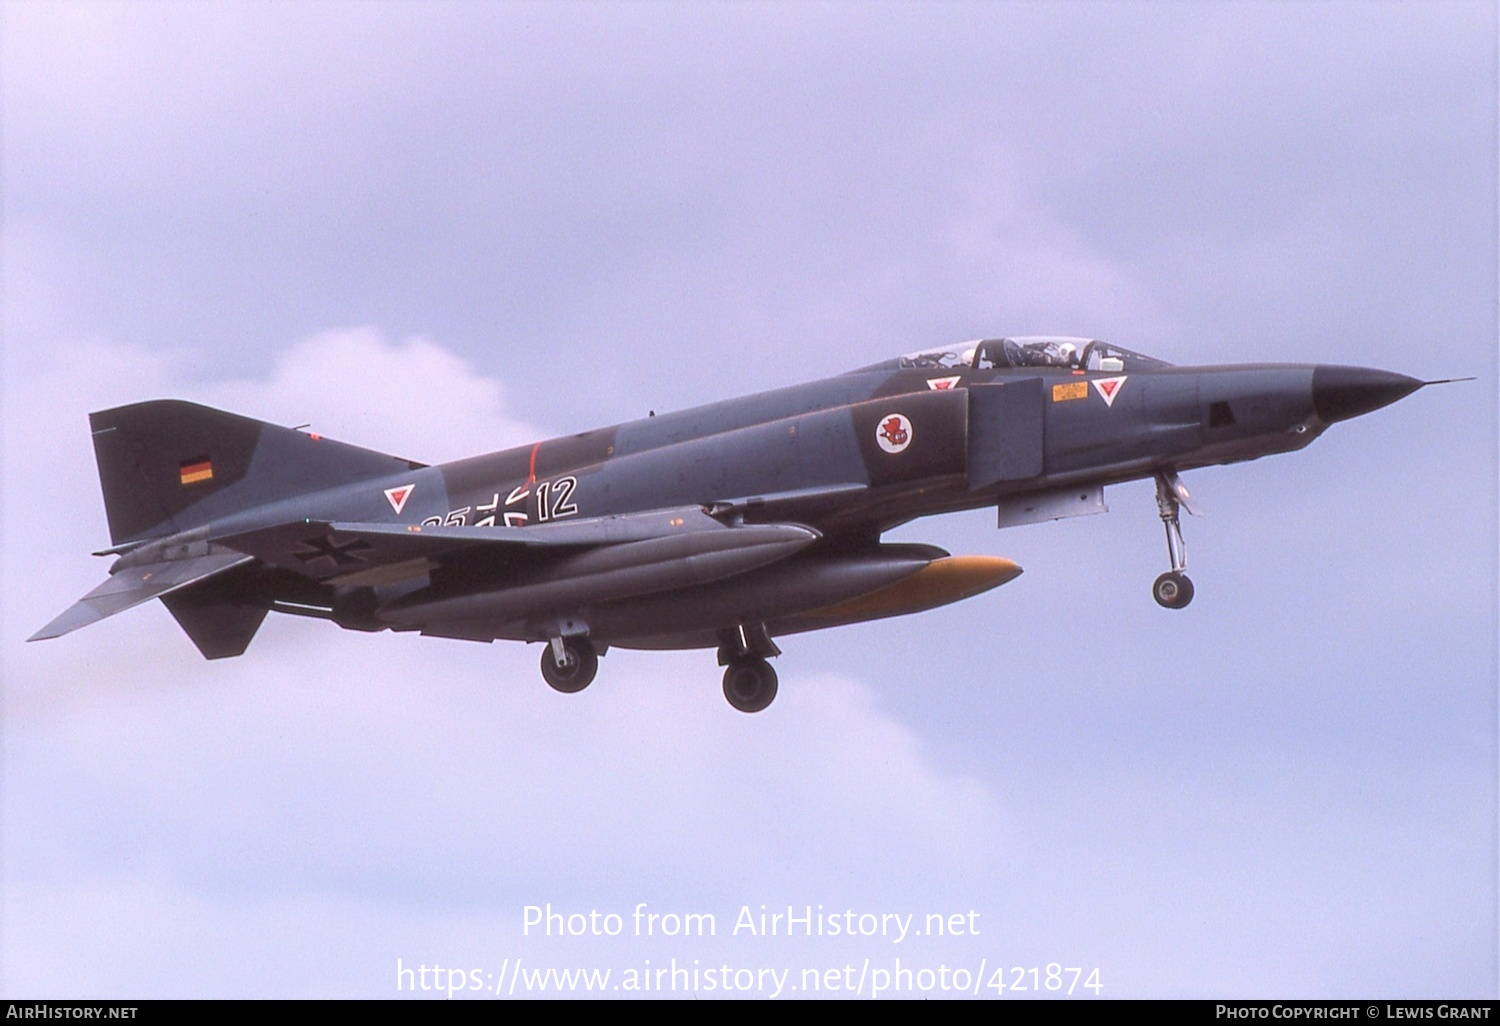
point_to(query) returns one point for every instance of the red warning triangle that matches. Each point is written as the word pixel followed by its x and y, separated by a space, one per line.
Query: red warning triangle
pixel 397 496
pixel 1109 388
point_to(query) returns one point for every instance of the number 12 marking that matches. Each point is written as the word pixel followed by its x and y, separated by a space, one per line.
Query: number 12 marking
pixel 554 499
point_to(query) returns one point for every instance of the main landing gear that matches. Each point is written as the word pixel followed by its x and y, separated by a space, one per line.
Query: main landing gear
pixel 750 684
pixel 749 681
pixel 1173 589
pixel 569 664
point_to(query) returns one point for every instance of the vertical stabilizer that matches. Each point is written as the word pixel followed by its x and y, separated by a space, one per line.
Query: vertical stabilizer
pixel 168 465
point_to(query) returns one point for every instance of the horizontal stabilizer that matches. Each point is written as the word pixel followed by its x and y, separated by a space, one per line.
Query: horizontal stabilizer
pixel 375 554
pixel 130 586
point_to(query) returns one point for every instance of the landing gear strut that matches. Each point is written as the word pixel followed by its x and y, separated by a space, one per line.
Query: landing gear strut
pixel 569 664
pixel 1173 589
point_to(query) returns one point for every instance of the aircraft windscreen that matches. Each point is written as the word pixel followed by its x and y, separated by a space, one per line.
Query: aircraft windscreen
pixel 940 358
pixel 1039 351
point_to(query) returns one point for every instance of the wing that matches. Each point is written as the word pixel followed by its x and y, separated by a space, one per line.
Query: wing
pixel 594 558
pixel 367 555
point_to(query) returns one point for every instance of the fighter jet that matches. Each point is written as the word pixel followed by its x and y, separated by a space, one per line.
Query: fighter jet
pixel 724 527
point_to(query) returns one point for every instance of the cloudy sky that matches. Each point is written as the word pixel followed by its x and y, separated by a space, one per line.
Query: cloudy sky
pixel 442 229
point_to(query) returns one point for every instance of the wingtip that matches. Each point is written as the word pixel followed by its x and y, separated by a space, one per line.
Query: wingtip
pixel 69 620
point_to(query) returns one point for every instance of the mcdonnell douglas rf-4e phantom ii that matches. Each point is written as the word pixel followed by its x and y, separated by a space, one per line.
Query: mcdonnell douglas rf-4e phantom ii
pixel 721 527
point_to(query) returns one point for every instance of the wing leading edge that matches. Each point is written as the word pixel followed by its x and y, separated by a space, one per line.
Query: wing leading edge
pixel 364 554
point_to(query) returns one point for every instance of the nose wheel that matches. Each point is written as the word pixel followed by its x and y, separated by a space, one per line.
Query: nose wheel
pixel 1173 589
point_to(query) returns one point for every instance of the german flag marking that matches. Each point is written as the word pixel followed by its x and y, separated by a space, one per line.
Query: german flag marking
pixel 197 470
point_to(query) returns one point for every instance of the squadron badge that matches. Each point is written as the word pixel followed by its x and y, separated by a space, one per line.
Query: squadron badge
pixel 893 434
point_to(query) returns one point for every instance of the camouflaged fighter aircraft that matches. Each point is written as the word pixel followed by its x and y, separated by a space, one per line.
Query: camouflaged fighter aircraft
pixel 725 526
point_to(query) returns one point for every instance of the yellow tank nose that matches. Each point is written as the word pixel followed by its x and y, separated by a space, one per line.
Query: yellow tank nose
pixel 944 580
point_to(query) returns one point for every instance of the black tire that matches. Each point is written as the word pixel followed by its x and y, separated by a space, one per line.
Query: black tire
pixel 580 664
pixel 750 684
pixel 1172 590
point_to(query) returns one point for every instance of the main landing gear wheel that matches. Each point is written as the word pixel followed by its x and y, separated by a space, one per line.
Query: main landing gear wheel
pixel 750 684
pixel 576 669
pixel 1172 590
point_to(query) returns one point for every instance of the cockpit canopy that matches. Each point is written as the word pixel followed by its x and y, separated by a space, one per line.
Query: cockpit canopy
pixel 1034 351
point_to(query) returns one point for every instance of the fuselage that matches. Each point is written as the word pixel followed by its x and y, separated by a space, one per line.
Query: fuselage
pixel 994 432
pixel 849 457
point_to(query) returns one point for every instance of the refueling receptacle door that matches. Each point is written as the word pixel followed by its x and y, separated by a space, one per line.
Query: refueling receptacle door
pixel 1005 432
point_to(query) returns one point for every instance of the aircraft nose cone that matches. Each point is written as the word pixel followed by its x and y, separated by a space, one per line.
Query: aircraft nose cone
pixel 1343 392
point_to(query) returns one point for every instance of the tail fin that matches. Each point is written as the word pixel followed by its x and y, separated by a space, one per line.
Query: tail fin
pixel 166 466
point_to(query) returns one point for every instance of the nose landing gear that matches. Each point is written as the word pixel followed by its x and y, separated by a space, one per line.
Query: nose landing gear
pixel 1173 589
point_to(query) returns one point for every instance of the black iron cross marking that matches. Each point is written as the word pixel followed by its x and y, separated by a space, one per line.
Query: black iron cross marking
pixel 346 554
